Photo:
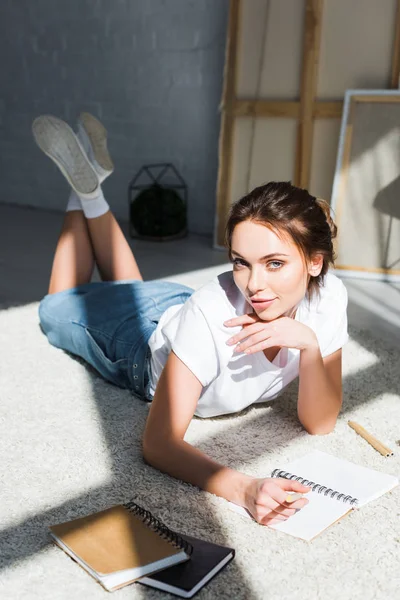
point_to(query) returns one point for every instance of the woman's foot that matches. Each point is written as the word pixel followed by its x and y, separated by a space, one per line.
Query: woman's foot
pixel 60 143
pixel 93 136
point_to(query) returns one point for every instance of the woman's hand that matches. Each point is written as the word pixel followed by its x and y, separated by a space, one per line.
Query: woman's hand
pixel 258 335
pixel 265 499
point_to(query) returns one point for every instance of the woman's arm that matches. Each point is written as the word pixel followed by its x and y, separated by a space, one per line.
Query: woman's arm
pixel 172 409
pixel 320 390
pixel 320 386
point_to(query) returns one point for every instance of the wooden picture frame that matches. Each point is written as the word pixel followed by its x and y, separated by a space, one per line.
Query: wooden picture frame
pixel 297 102
pixel 366 189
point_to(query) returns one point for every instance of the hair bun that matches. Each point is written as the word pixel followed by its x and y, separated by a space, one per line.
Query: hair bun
pixel 326 209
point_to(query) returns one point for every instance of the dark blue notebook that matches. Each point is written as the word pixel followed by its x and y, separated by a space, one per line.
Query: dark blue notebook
pixel 185 579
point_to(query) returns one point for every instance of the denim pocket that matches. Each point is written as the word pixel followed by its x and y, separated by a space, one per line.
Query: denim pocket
pixel 114 371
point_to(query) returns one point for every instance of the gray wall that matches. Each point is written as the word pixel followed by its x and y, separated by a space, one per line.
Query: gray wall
pixel 151 70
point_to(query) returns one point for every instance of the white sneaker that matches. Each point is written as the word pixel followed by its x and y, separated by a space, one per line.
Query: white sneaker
pixel 60 143
pixel 93 136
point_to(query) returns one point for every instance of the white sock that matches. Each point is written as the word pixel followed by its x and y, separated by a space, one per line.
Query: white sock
pixel 73 201
pixel 94 207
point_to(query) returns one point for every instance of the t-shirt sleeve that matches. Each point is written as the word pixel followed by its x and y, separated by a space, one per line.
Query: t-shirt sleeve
pixel 194 344
pixel 333 333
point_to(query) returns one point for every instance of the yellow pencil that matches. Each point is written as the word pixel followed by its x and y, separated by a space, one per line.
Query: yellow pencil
pixel 293 496
pixel 384 450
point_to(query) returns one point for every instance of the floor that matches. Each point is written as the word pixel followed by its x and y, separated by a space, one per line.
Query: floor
pixel 28 237
pixel 84 443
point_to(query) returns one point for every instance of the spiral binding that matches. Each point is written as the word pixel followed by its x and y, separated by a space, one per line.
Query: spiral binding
pixel 317 487
pixel 159 527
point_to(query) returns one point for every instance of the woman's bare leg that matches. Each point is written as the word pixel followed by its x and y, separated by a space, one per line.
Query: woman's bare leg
pixel 114 257
pixel 93 233
pixel 73 259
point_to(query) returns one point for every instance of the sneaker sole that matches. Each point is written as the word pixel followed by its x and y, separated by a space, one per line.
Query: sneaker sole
pixel 56 139
pixel 97 135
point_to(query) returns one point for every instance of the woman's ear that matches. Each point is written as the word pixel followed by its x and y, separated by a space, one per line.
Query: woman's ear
pixel 315 265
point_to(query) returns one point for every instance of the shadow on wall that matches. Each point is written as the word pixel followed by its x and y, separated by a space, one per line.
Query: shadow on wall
pixel 151 71
pixel 387 203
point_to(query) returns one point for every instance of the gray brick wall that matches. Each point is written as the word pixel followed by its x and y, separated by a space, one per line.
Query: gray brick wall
pixel 151 70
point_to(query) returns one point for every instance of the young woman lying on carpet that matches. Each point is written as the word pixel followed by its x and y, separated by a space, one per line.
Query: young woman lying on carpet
pixel 239 340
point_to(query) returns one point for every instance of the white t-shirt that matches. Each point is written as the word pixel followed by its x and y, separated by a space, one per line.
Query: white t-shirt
pixel 231 382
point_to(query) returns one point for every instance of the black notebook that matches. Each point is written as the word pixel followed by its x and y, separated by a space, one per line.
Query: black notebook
pixel 186 579
pixel 120 544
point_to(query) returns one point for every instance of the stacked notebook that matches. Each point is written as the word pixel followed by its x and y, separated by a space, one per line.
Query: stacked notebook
pixel 189 577
pixel 337 487
pixel 126 543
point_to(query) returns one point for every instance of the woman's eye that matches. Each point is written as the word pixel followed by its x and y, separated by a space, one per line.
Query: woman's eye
pixel 238 262
pixel 275 264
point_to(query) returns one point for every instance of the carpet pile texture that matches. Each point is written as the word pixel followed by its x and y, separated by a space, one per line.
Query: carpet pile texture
pixel 71 444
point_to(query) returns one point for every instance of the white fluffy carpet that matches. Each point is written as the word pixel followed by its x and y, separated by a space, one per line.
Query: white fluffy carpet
pixel 70 445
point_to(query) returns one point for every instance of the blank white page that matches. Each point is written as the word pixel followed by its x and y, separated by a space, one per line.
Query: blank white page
pixel 342 475
pixel 336 473
pixel 319 513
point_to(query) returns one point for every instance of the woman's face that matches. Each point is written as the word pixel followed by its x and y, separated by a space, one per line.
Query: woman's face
pixel 269 270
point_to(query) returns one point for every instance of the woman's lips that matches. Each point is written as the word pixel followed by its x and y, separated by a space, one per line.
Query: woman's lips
pixel 262 304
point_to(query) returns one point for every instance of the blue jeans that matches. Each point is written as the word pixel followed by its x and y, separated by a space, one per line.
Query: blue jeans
pixel 109 323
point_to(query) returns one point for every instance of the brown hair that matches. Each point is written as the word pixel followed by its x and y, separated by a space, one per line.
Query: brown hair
pixel 288 209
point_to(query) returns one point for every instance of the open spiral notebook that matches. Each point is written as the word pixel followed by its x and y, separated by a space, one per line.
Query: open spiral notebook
pixel 338 486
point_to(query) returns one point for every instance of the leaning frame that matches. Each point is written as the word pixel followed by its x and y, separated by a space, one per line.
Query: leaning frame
pixel 385 200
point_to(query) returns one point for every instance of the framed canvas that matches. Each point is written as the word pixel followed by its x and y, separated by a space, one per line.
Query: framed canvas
pixel 366 188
